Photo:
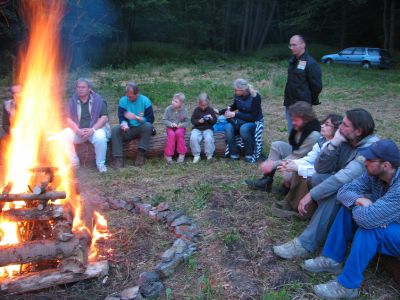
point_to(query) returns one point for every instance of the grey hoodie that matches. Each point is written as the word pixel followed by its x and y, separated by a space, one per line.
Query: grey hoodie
pixel 344 162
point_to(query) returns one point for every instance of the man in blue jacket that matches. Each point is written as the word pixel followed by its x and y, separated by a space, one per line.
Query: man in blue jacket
pixel 369 218
pixel 135 113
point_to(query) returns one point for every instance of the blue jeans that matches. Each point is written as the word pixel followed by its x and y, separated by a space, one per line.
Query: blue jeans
pixel 289 120
pixel 365 244
pixel 246 132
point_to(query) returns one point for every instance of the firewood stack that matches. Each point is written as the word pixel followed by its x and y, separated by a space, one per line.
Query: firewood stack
pixel 49 252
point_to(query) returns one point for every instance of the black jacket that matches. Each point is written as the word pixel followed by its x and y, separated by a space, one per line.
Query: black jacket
pixel 304 81
pixel 198 114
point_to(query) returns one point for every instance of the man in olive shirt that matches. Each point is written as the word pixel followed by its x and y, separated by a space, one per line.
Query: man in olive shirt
pixel 87 121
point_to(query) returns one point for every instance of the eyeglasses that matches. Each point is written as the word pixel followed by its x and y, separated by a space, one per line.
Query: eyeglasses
pixel 327 124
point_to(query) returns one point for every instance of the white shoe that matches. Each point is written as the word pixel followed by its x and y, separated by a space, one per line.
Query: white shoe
pixel 102 169
pixel 291 250
pixel 196 159
pixel 322 264
pixel 209 158
pixel 334 290
pixel 181 158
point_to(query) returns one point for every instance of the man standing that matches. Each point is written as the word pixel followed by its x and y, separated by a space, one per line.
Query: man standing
pixel 341 153
pixel 304 81
pixel 136 116
pixel 87 121
pixel 369 218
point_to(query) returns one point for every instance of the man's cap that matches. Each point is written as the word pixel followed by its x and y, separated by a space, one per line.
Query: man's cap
pixel 385 150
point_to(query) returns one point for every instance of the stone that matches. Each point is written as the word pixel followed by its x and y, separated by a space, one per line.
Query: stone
pixel 180 246
pixel 114 296
pixel 153 214
pixel 172 216
pixel 182 220
pixel 146 277
pixel 168 255
pixel 116 203
pixel 163 206
pixel 162 216
pixel 152 289
pixel 186 231
pixel 131 294
pixel 143 208
pixel 136 199
pixel 166 269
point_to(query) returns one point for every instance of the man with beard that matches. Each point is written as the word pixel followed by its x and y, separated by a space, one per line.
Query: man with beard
pixel 369 218
pixel 355 132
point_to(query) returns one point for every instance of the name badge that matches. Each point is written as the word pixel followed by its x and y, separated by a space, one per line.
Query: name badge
pixel 302 64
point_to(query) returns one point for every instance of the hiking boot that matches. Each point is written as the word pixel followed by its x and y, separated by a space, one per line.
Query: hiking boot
pixel 264 183
pixel 334 290
pixel 291 250
pixel 278 212
pixel 139 161
pixel 181 158
pixel 118 163
pixel 322 264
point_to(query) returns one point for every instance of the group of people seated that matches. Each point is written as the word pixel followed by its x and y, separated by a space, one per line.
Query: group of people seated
pixel 336 173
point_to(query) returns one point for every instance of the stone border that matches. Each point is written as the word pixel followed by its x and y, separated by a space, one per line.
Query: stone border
pixel 150 283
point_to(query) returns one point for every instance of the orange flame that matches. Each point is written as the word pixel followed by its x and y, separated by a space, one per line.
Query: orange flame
pixel 37 117
pixel 100 232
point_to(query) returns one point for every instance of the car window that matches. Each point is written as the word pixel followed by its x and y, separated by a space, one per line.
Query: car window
pixel 373 52
pixel 347 51
pixel 359 51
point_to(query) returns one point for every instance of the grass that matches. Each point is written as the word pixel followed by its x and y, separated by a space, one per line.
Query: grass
pixel 238 230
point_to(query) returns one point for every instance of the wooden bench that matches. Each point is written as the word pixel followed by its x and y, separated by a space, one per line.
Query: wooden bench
pixel 86 153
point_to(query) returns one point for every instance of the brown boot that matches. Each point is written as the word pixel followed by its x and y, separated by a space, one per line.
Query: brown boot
pixel 118 163
pixel 139 161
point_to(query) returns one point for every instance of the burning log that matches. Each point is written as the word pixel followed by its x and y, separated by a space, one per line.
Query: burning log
pixel 52 195
pixel 41 250
pixel 63 231
pixel 48 278
pixel 33 214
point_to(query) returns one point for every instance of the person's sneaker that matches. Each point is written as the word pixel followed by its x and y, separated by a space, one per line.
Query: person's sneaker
pixel 169 160
pixel 181 158
pixel 260 184
pixel 196 159
pixel 322 264
pixel 291 250
pixel 234 158
pixel 249 159
pixel 209 158
pixel 334 290
pixel 102 169
pixel 139 161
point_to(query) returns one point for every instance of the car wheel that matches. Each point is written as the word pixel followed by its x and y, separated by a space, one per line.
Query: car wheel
pixel 366 64
pixel 328 61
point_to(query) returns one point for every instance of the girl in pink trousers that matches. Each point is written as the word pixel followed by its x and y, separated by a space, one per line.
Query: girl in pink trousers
pixel 176 119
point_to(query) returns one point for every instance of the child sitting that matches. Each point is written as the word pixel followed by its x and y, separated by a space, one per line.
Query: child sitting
pixel 176 119
pixel 203 119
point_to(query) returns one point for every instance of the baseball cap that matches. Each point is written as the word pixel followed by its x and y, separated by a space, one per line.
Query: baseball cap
pixel 385 150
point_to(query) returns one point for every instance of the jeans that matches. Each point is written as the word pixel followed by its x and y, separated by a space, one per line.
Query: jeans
pixel 317 230
pixel 246 132
pixel 175 137
pixel 365 244
pixel 118 136
pixel 98 139
pixel 195 138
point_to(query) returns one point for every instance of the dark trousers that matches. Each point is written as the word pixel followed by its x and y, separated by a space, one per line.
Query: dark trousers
pixel 118 136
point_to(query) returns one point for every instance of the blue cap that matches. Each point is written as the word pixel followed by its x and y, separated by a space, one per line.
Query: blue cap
pixel 385 150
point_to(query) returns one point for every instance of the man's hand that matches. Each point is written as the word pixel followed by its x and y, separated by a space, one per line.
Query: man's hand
pixel 364 202
pixel 124 126
pixel 88 132
pixel 130 116
pixel 288 166
pixel 81 133
pixel 210 117
pixel 229 114
pixel 302 208
pixel 338 139
pixel 201 121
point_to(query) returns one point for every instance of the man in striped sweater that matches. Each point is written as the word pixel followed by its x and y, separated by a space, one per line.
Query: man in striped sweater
pixel 369 218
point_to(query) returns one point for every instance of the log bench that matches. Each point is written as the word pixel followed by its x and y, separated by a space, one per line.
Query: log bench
pixel 86 153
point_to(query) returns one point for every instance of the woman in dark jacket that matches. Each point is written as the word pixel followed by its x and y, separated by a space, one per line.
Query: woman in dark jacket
pixel 242 115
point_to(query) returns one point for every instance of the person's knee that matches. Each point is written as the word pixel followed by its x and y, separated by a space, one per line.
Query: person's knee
pixel 229 130
pixel 147 127
pixel 99 136
pixel 115 130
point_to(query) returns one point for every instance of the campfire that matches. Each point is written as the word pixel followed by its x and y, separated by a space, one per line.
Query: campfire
pixel 47 235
